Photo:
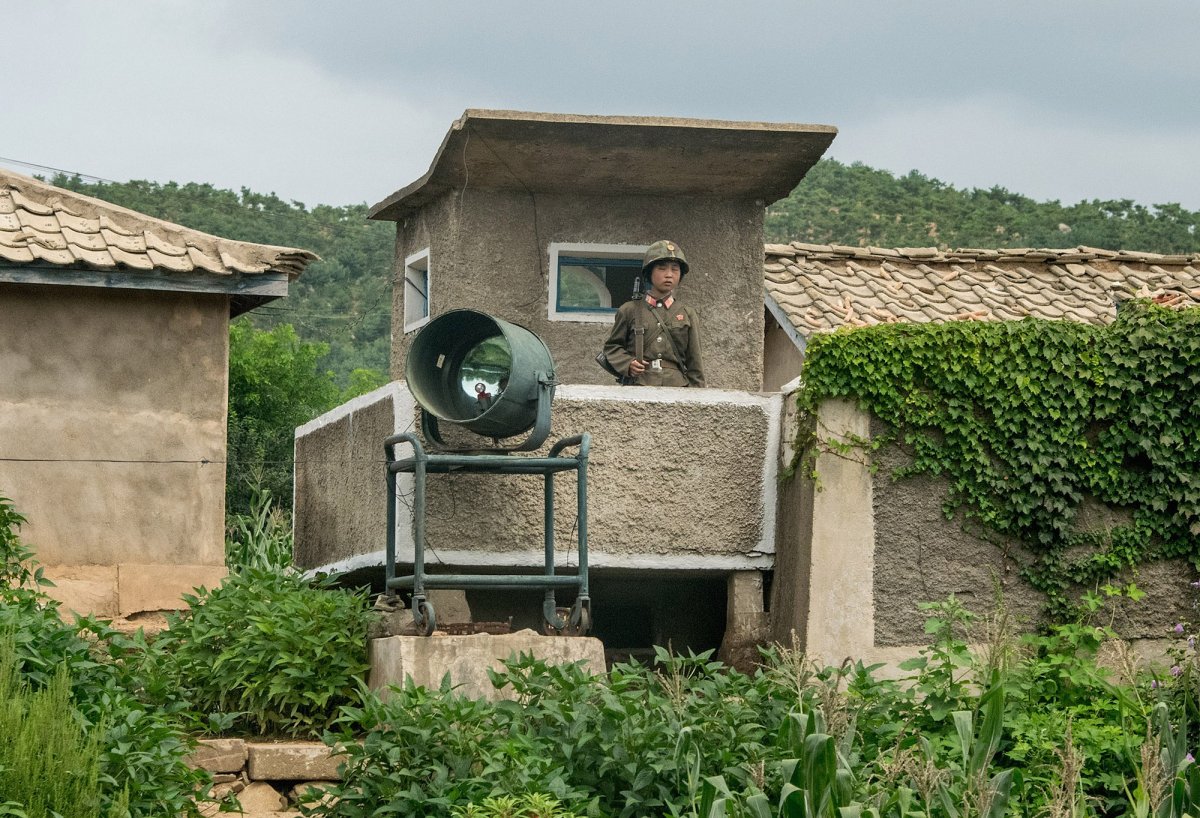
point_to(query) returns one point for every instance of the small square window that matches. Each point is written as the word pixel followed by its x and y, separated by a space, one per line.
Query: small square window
pixel 416 290
pixel 589 281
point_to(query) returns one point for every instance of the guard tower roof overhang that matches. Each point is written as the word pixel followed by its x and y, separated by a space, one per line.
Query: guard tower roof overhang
pixel 619 155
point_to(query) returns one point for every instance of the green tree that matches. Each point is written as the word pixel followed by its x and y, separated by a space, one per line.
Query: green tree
pixel 275 385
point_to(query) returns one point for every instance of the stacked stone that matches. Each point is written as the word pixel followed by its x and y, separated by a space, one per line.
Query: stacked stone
pixel 268 778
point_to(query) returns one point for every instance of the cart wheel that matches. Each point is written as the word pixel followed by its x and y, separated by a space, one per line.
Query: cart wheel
pixel 424 617
pixel 584 624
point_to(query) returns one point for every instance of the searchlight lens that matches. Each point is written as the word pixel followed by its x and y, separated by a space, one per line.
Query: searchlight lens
pixel 485 371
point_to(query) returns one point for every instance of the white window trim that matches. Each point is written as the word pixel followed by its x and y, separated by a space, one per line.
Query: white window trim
pixel 580 249
pixel 408 263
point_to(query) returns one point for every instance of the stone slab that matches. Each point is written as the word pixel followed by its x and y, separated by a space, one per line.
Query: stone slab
pixel 426 660
pixel 219 755
pixel 292 761
pixel 84 589
pixel 146 587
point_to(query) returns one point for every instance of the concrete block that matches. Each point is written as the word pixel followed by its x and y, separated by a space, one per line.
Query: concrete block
pixel 84 589
pixel 745 594
pixel 293 761
pixel 746 624
pixel 146 587
pixel 219 755
pixel 451 606
pixel 467 658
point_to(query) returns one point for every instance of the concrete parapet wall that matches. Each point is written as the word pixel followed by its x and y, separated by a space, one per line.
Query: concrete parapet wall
pixel 341 488
pixel 680 479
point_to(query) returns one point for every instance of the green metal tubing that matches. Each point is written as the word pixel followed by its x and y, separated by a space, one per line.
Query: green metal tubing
pixel 421 464
pixel 581 525
pixel 549 601
pixel 487 581
pixel 479 463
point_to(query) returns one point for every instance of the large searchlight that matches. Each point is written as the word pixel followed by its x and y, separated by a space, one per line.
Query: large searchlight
pixel 495 379
pixel 484 374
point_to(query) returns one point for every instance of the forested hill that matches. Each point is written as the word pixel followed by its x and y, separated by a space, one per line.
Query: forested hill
pixel 858 205
pixel 344 300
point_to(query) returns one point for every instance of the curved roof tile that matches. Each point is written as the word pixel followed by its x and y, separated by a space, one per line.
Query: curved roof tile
pixel 823 287
pixel 39 221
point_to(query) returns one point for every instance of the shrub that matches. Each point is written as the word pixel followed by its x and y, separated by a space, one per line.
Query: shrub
pixel 270 651
pixel 531 805
pixel 630 743
pixel 1030 726
pixel 141 751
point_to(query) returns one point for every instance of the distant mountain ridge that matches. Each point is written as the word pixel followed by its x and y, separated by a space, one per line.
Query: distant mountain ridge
pixel 344 300
pixel 859 205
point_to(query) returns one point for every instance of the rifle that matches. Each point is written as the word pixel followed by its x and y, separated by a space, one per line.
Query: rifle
pixel 639 332
pixel 639 340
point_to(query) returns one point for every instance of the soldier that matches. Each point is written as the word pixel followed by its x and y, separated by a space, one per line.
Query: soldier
pixel 667 332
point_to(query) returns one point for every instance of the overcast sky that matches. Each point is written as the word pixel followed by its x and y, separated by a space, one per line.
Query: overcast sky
pixel 345 102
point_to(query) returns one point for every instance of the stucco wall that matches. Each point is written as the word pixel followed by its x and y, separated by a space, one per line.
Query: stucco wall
pixel 680 479
pixel 922 556
pixel 489 250
pixel 112 436
pixel 859 550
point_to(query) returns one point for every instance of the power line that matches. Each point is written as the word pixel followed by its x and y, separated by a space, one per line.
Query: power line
pixel 73 173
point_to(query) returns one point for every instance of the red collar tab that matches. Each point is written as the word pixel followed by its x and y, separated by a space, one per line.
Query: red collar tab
pixel 666 302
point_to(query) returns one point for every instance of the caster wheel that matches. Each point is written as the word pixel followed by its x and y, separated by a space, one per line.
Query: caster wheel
pixel 584 623
pixel 424 617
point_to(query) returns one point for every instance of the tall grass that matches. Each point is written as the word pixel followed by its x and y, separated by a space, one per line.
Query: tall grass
pixel 49 765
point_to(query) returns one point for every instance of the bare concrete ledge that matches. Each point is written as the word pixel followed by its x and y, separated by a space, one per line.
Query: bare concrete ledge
pixel 467 659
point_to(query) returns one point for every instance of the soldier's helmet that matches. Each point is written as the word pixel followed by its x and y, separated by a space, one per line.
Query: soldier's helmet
pixel 664 250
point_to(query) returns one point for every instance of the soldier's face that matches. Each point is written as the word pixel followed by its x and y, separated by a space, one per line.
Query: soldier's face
pixel 664 276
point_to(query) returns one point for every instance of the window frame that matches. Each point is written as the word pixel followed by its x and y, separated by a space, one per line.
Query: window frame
pixel 587 250
pixel 410 268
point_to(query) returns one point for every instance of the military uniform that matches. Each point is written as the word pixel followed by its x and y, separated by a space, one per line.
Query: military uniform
pixel 679 321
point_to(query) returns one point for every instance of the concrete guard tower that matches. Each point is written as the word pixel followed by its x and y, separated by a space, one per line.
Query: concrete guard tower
pixel 541 220
pixel 512 199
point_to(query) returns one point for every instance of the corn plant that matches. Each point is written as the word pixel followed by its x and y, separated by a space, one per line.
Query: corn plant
pixel 261 539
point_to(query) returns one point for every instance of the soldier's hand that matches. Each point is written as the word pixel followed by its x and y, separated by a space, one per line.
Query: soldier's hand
pixel 636 367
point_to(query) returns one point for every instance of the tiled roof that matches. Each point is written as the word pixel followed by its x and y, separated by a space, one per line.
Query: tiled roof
pixel 823 287
pixel 42 224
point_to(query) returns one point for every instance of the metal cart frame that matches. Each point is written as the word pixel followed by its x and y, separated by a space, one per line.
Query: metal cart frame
pixel 422 463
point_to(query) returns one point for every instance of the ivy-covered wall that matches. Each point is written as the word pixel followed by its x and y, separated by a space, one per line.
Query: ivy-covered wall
pixel 1072 451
